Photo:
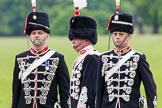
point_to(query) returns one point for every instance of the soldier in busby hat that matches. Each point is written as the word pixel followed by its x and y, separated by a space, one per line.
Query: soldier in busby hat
pixel 122 70
pixel 83 27
pixel 37 21
pixel 40 73
pixel 83 35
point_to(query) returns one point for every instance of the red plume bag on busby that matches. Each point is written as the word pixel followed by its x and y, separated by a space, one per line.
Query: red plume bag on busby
pixel 120 21
pixel 82 27
pixel 36 21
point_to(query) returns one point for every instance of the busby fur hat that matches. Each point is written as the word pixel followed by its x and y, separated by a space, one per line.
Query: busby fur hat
pixel 121 22
pixel 83 27
pixel 37 21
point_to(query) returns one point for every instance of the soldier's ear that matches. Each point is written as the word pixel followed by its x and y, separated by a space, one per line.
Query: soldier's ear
pixel 130 36
pixel 47 36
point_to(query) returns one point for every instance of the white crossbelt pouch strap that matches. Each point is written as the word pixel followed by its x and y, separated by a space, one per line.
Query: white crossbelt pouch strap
pixel 120 63
pixel 35 64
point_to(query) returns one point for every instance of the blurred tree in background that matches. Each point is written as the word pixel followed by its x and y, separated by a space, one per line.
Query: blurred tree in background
pixel 147 13
pixel 13 14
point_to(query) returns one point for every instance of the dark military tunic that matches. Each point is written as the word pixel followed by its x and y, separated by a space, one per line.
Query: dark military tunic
pixel 40 87
pixel 83 82
pixel 122 89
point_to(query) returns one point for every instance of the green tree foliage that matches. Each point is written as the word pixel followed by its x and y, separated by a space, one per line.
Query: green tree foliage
pixel 14 12
pixel 148 12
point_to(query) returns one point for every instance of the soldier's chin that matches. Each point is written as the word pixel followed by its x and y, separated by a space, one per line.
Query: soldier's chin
pixel 37 42
pixel 119 46
pixel 75 46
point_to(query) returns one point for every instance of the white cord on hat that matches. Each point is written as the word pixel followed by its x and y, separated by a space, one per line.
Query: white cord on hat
pixel 122 22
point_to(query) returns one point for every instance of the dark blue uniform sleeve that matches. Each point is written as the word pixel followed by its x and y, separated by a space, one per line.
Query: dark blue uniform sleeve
pixel 64 83
pixel 100 87
pixel 148 82
pixel 16 86
pixel 89 77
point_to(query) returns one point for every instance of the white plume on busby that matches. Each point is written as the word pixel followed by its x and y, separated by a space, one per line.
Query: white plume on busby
pixel 33 5
pixel 82 27
pixel 80 3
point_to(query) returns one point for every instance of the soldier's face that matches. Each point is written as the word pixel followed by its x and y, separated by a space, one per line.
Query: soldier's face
pixel 78 44
pixel 121 39
pixel 38 37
